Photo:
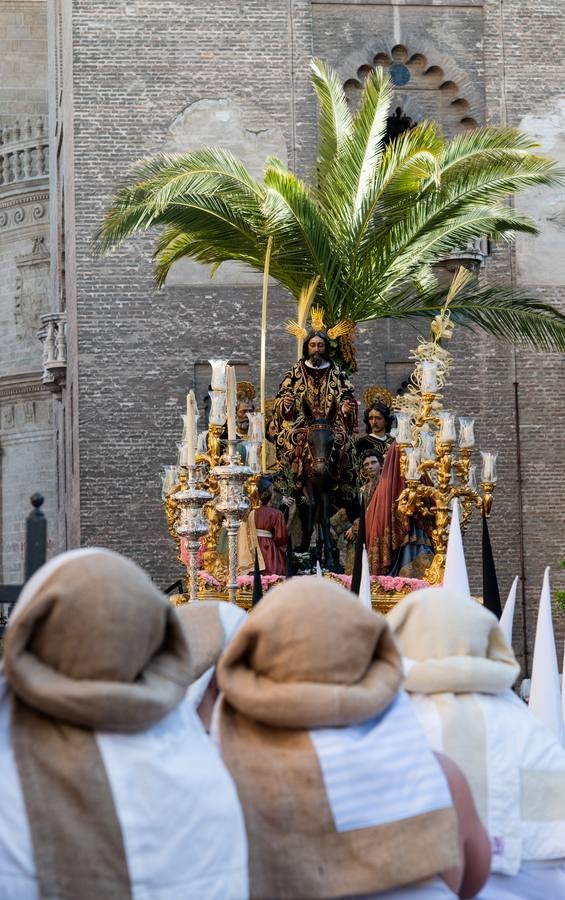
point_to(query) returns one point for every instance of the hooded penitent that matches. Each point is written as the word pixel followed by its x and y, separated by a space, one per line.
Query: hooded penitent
pixel 208 627
pixel 341 794
pixel 459 671
pixel 98 668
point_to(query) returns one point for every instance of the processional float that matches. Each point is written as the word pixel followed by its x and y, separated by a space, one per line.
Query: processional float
pixel 212 490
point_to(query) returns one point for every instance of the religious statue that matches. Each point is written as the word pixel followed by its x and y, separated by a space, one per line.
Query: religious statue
pixel 315 416
pixel 312 390
pixel 378 421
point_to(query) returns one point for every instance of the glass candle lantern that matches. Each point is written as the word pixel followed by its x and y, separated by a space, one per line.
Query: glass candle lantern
pixel 428 381
pixel 256 427
pixel 489 466
pixel 428 444
pixel 466 432
pixel 447 427
pixel 219 366
pixel 217 414
pixel 413 462
pixel 403 428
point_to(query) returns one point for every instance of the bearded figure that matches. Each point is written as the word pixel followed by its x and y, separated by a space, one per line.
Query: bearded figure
pixel 316 390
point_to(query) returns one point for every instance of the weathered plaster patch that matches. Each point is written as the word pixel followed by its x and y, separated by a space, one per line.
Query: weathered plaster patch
pixel 251 136
pixel 541 260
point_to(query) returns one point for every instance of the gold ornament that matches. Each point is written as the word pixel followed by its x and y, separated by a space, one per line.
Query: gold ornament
pixel 377 394
pixel 343 328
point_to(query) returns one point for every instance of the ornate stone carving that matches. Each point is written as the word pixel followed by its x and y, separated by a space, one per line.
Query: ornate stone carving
pixel 8 416
pixel 32 288
pixel 23 210
pixel 29 412
pixel 53 337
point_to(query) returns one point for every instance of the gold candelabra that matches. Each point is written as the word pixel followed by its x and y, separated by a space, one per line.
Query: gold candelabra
pixel 434 476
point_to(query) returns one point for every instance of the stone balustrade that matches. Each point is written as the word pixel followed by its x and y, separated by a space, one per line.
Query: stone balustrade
pixel 24 151
pixel 473 255
pixel 53 337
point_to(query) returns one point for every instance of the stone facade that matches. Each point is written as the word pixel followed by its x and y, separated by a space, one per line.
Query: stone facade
pixel 133 78
pixel 27 462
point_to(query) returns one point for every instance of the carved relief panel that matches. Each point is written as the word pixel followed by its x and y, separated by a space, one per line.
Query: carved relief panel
pixel 31 296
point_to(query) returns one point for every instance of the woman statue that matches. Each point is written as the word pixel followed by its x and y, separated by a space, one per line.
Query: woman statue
pixel 378 420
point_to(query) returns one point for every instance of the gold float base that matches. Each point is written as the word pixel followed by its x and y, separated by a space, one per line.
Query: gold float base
pixel 382 601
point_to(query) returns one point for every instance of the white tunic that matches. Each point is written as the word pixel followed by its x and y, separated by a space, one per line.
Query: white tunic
pixel 181 821
pixel 534 881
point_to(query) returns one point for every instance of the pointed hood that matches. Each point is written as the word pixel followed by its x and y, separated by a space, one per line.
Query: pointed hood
pixel 507 617
pixel 491 593
pixel 455 578
pixel 365 585
pixel 360 543
pixel 257 584
pixel 545 690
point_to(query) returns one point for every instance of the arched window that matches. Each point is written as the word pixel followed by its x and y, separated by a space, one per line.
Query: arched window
pixel 422 90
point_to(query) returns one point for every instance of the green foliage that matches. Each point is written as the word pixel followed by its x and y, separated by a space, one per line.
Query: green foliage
pixel 372 224
pixel 560 595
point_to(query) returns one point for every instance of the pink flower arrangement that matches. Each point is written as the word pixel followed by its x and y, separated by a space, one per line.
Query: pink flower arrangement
pixel 386 582
pixel 389 583
pixel 209 579
pixel 246 581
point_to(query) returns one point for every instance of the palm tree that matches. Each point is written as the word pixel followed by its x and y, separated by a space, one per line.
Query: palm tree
pixel 377 217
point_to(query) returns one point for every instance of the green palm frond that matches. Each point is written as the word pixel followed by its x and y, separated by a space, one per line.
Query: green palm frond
pixel 158 183
pixel 335 120
pixel 378 218
pixel 295 224
pixel 502 312
pixel 365 144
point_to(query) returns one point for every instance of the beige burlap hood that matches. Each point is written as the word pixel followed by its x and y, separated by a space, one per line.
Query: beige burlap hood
pixel 92 645
pixel 451 643
pixel 310 656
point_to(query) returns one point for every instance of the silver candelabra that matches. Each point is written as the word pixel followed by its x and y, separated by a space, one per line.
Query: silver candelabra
pixel 233 505
pixel 192 525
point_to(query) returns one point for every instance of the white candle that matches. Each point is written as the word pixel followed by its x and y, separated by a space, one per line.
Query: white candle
pixel 466 431
pixel 473 477
pixel 403 428
pixel 413 458
pixel 447 427
pixel 489 466
pixel 231 400
pixel 219 366
pixel 428 382
pixel 428 444
pixel 191 415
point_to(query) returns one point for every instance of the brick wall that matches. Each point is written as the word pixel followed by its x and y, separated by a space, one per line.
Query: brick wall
pixel 136 67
